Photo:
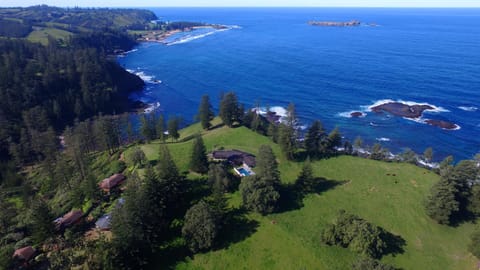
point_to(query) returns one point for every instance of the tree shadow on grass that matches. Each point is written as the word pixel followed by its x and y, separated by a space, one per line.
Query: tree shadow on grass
pixel 153 163
pixel 216 126
pixel 395 243
pixel 236 228
pixel 196 190
pixel 168 257
pixel 292 195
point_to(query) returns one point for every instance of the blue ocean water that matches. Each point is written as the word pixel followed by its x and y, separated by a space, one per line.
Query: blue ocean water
pixel 274 57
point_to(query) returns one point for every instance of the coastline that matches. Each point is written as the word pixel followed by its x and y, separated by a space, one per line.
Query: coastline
pixel 161 36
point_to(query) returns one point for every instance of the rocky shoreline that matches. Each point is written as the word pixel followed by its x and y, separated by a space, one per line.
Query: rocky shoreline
pixel 161 36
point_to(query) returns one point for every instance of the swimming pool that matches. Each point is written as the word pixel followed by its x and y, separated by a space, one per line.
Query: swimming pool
pixel 243 171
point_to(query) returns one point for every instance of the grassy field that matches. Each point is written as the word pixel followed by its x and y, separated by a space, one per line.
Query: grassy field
pixel 389 195
pixel 41 35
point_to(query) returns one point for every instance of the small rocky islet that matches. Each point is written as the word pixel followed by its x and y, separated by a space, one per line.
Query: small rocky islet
pixel 412 112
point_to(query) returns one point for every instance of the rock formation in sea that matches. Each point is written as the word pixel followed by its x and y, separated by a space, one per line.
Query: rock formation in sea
pixel 356 114
pixel 341 24
pixel 401 109
pixel 442 124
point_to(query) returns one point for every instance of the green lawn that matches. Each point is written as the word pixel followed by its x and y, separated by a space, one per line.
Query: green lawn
pixel 389 195
pixel 41 35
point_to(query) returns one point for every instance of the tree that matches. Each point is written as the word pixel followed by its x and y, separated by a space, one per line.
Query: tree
pixel 446 166
pixel 378 152
pixel 441 204
pixel 464 175
pixel 287 141
pixel 41 221
pixel 132 240
pixel 205 112
pixel 408 156
pixel 172 182
pixel 229 109
pixel 272 132
pixel 333 141
pixel 166 167
pixel 428 154
pixel 306 181
pixel 160 128
pixel 357 234
pixel 474 245
pixel 198 159
pixel 287 135
pixel 358 143
pixel 146 128
pixel 138 157
pixel 218 178
pixel 130 132
pixel 173 126
pixel 267 165
pixel 313 139
pixel 474 200
pixel 367 263
pixel 200 229
pixel 259 195
pixel 348 148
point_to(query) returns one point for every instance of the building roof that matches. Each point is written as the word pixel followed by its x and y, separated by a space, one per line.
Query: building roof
pixel 68 219
pixel 112 181
pixel 235 156
pixel 103 223
pixel 25 253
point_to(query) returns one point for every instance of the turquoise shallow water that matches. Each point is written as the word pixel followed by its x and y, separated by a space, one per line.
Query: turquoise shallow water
pixel 274 57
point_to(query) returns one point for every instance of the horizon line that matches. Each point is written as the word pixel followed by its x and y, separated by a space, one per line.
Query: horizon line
pixel 386 7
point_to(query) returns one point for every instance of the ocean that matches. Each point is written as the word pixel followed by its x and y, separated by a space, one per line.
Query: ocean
pixel 272 56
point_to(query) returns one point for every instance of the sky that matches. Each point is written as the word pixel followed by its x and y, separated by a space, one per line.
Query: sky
pixel 244 3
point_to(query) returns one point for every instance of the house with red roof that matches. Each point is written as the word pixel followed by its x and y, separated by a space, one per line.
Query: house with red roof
pixel 112 182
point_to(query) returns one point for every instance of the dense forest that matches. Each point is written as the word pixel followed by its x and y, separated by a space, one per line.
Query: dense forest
pixel 48 87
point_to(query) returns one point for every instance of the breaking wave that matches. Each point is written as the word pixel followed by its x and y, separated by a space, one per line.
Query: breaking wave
pixel 194 36
pixel 146 78
pixel 152 107
pixel 468 108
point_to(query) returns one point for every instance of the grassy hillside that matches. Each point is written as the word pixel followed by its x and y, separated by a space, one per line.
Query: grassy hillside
pixel 38 23
pixel 41 35
pixel 389 195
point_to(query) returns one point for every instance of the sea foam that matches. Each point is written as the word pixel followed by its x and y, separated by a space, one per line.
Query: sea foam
pixel 468 108
pixel 189 38
pixel 152 107
pixel 146 78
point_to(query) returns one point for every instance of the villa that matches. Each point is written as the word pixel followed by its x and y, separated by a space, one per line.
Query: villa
pixel 242 162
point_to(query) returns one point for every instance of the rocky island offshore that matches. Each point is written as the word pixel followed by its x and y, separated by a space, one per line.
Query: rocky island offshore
pixel 337 24
pixel 412 112
pixel 401 109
